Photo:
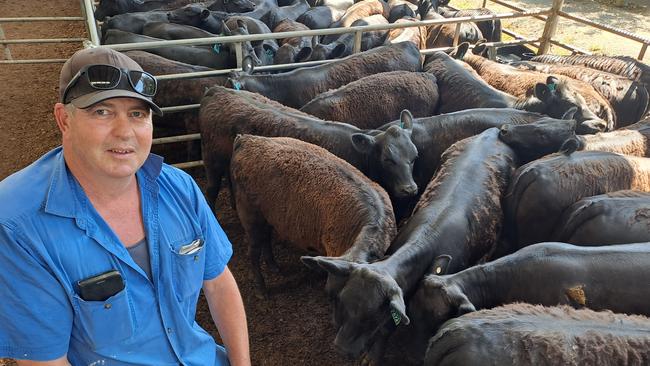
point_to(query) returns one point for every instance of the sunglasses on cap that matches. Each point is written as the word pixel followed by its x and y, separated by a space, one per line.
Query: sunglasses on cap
pixel 106 77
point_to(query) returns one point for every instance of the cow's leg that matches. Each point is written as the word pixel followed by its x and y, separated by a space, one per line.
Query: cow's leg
pixel 258 233
pixel 214 170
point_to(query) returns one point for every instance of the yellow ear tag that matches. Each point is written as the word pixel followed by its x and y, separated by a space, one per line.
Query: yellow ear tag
pixel 438 270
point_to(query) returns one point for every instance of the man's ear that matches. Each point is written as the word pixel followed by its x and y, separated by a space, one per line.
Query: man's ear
pixel 62 117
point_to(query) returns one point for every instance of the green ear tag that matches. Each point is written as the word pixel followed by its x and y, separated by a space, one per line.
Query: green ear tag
pixel 401 124
pixel 551 86
pixel 397 318
pixel 216 48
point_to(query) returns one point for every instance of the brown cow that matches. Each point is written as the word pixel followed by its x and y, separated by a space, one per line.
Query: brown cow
pixel 520 83
pixel 309 197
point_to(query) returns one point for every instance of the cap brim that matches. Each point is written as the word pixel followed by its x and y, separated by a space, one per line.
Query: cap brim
pixel 89 99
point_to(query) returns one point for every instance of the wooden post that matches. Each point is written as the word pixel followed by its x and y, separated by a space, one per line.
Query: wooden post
pixel 642 52
pixel 239 55
pixel 457 34
pixel 7 52
pixel 550 27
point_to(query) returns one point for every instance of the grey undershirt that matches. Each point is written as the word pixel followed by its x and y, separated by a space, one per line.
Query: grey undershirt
pixel 140 254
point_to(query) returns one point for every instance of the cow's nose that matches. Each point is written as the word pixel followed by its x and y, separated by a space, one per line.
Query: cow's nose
pixel 409 190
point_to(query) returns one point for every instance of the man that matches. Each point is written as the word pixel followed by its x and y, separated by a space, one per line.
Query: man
pixel 103 248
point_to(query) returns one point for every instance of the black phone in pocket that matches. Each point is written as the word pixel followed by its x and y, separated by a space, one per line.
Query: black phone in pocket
pixel 101 287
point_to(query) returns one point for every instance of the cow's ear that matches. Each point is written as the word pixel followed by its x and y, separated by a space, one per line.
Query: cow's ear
pixel 205 14
pixel 569 115
pixel 406 120
pixel 398 309
pixel 224 28
pixel 552 80
pixel 337 51
pixel 461 50
pixel 465 307
pixel 440 265
pixel 363 143
pixel 241 24
pixel 303 55
pixel 338 267
pixel 542 92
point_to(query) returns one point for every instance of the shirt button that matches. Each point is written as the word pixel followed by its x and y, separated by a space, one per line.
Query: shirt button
pixel 107 306
pixel 169 330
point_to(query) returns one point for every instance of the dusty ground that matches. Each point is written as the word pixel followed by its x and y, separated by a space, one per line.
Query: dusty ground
pixel 292 328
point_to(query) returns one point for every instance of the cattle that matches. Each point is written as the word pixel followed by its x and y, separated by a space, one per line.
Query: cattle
pixel 443 35
pixel 242 26
pixel 292 12
pixel 320 17
pixel 294 49
pixel 343 44
pixel 490 29
pixel 377 99
pixel 541 190
pixel 295 88
pixel 166 30
pixel 523 334
pixel 114 7
pixel 415 35
pixel 620 65
pixel 594 110
pixel 433 135
pixel 458 214
pixel 202 56
pixel 297 190
pixel 537 139
pixel 459 90
pixel 399 11
pixel 198 16
pixel 546 273
pixel 628 98
pixel 613 218
pixel 385 157
pixel 132 22
pixel 359 10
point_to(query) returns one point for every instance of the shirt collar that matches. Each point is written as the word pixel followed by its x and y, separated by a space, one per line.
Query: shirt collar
pixel 64 188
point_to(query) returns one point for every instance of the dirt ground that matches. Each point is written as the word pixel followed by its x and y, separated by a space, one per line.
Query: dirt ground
pixel 293 326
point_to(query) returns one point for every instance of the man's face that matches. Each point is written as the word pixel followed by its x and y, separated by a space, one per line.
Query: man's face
pixel 110 139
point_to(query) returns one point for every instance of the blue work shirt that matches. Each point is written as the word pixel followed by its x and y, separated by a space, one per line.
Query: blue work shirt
pixel 51 237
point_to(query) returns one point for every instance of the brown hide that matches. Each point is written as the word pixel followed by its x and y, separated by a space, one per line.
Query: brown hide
pixel 521 83
pixel 362 9
pixel 289 25
pixel 632 140
pixel 377 99
pixel 417 35
pixel 311 198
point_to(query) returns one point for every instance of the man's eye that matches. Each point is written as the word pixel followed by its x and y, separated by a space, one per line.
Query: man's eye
pixel 139 114
pixel 101 112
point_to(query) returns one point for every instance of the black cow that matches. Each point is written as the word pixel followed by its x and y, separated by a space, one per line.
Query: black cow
pixel 613 218
pixel 459 214
pixel 107 8
pixel 132 22
pixel 297 87
pixel 166 30
pixel 548 274
pixel 385 157
pixel 523 334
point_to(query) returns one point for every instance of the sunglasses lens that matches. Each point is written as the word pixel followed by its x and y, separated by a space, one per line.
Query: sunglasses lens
pixel 143 83
pixel 103 76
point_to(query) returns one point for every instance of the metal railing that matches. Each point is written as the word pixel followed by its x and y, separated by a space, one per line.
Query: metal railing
pixel 645 42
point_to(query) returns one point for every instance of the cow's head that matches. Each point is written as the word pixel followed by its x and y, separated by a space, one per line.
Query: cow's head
pixel 190 14
pixel 557 98
pixel 391 155
pixel 437 300
pixel 288 54
pixel 107 8
pixel 534 140
pixel 326 51
pixel 365 303
pixel 246 47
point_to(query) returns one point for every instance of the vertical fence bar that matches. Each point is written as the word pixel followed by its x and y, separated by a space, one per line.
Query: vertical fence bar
pixel 91 24
pixel 239 54
pixel 457 34
pixel 357 41
pixel 550 27
pixel 642 52
pixel 6 51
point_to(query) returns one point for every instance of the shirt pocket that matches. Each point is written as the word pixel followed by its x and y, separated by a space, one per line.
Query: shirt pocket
pixel 187 269
pixel 105 323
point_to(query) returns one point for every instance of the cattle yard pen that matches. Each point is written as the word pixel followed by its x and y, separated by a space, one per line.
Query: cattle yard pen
pixel 549 16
